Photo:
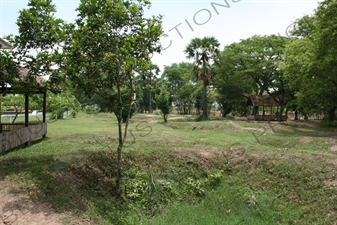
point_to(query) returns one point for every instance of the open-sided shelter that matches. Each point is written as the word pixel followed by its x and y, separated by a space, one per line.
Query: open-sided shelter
pixel 13 135
pixel 260 104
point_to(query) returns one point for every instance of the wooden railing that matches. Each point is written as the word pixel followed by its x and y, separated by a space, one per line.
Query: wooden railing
pixel 265 117
pixel 5 127
pixel 16 136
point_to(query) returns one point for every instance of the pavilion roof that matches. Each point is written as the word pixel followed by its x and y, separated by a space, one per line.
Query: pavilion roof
pixel 261 100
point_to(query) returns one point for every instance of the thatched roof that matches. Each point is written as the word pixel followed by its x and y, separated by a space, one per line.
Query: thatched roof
pixel 4 44
pixel 38 81
pixel 261 100
pixel 24 83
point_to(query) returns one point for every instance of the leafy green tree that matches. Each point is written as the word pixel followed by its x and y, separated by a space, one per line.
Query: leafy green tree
pixel 303 27
pixel 38 46
pixel 60 103
pixel 177 78
pixel 232 84
pixel 14 103
pixel 147 80
pixel 258 58
pixel 8 69
pixel 110 42
pixel 325 64
pixel 163 102
pixel 310 61
pixel 298 60
pixel 205 53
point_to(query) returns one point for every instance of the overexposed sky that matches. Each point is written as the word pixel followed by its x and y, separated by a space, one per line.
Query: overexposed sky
pixel 227 20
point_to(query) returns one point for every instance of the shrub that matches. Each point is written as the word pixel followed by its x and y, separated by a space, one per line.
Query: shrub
pixel 92 110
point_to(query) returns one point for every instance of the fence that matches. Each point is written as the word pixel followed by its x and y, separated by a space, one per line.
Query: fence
pixel 16 135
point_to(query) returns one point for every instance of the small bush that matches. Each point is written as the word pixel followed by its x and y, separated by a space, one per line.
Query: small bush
pixel 73 114
pixel 56 114
pixel 92 110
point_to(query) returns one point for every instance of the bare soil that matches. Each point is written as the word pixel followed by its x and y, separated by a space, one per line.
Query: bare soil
pixel 18 207
pixel 23 209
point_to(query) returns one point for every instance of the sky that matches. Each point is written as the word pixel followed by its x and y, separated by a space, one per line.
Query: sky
pixel 227 20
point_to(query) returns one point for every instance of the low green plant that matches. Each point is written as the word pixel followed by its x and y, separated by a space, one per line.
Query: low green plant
pixel 91 109
pixel 212 172
pixel 56 114
pixel 73 114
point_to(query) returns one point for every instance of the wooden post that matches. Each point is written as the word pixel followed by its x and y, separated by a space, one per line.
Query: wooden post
pixel 0 114
pixel 27 114
pixel 26 109
pixel 44 110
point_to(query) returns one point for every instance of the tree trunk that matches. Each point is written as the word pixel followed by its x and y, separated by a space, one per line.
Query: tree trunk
pixel 150 102
pixel 296 115
pixel 119 159
pixel 279 116
pixel 165 118
pixel 305 117
pixel 204 103
pixel 120 147
pixel 223 112
pixel 331 114
pixel 121 137
pixel 16 115
pixel 0 114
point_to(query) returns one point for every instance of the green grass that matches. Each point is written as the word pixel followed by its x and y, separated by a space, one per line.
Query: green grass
pixel 181 172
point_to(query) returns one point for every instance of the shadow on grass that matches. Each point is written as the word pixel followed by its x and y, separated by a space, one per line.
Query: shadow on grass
pixel 82 182
pixel 23 146
pixel 306 132
pixel 66 186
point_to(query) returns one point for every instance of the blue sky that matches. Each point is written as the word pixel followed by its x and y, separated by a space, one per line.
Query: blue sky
pixel 240 20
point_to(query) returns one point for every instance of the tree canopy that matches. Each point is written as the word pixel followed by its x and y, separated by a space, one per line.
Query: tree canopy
pixel 205 54
pixel 108 44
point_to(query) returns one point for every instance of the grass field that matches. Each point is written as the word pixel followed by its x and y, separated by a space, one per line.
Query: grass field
pixel 183 172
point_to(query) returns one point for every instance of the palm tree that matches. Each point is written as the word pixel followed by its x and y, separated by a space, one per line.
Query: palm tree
pixel 205 53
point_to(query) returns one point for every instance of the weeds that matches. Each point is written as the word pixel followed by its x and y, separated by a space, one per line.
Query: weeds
pixel 211 172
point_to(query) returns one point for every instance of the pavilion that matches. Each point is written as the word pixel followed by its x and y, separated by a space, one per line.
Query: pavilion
pixel 18 134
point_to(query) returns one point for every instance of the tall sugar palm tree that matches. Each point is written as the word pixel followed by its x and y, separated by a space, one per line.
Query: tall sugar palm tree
pixel 205 53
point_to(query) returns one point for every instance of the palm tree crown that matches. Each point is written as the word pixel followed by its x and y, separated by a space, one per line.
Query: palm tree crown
pixel 205 53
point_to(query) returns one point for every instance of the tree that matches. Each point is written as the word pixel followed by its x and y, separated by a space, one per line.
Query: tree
pixel 8 73
pixel 297 67
pixel 258 58
pixel 177 78
pixel 163 102
pixel 8 68
pixel 58 104
pixel 205 53
pixel 310 62
pixel 230 83
pixel 325 64
pixel 14 103
pixel 149 77
pixel 110 42
pixel 38 46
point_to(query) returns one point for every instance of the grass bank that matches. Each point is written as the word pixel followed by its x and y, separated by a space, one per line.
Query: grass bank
pixel 182 172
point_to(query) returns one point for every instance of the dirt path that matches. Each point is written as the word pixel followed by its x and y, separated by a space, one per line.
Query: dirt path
pixel 20 209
